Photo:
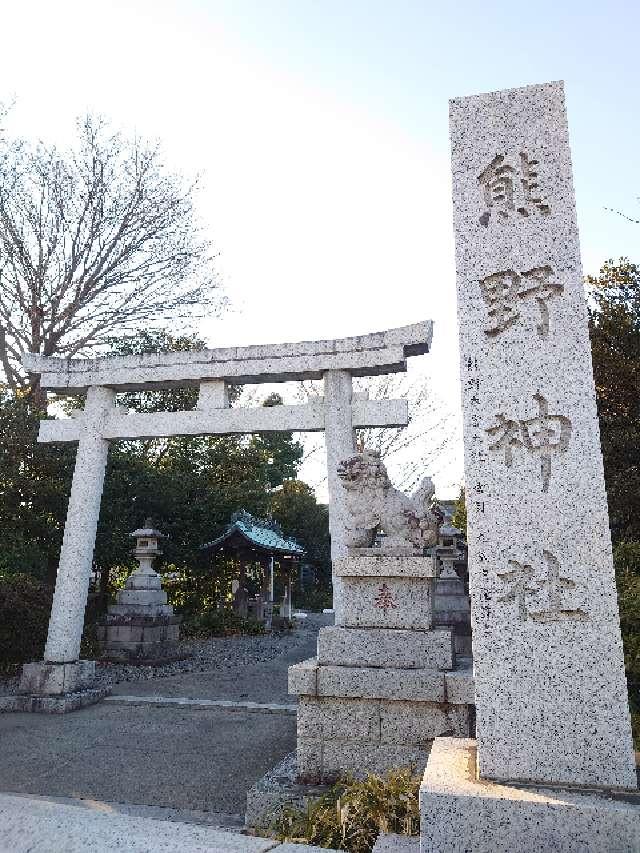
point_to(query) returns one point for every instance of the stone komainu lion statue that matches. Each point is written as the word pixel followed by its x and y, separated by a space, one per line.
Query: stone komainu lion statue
pixel 373 504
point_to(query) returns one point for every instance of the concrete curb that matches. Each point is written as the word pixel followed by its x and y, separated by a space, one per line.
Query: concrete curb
pixel 183 702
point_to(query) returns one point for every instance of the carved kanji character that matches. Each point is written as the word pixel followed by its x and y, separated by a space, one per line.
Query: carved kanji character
pixel 556 586
pixel 537 282
pixel 502 291
pixel 497 185
pixel 546 435
pixel 519 583
pixel 510 185
pixel 523 584
pixel 530 187
pixel 508 437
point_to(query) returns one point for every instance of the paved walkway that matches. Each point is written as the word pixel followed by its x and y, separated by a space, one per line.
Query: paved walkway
pixel 184 756
pixel 29 825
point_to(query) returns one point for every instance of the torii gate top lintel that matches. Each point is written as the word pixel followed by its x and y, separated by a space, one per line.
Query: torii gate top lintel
pixel 363 355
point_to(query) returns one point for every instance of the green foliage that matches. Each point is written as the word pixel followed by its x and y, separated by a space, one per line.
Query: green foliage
pixel 635 728
pixel 459 518
pixel 614 327
pixel 626 558
pixel 190 486
pixel 352 814
pixel 25 604
pixel 220 623
pixel 34 486
pixel 295 508
pixel 314 598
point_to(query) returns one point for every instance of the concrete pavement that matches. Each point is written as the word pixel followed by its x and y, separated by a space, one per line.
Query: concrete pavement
pixel 29 825
pixel 178 755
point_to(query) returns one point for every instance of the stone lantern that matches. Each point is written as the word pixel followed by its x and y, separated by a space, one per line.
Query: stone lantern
pixel 451 606
pixel 141 627
pixel 146 550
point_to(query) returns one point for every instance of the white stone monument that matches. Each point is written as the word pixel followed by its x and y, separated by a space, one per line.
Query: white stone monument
pixel 211 370
pixel 550 687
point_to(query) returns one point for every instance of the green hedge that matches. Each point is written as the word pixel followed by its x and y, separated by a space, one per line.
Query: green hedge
pixel 25 604
pixel 219 623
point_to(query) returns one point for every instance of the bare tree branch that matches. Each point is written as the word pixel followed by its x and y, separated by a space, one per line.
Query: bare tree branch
pixel 624 215
pixel 96 240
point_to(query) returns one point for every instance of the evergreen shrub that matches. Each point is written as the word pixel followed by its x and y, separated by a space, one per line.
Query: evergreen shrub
pixel 25 604
pixel 219 623
pixel 626 558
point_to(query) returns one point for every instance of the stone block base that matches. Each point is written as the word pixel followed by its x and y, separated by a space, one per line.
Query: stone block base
pixel 308 678
pixel 397 649
pixel 385 591
pixel 277 789
pixel 324 761
pixel 62 704
pixel 338 735
pixel 139 639
pixel 42 678
pixel 460 813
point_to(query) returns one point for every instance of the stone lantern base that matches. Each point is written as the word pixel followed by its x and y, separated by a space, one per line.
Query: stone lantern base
pixel 141 627
pixel 139 639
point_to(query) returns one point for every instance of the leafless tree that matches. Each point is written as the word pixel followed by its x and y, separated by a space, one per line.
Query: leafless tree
pixel 624 215
pixel 96 240
pixel 418 449
pixel 410 452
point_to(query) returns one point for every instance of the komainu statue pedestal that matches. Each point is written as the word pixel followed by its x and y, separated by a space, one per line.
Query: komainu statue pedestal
pixel 384 683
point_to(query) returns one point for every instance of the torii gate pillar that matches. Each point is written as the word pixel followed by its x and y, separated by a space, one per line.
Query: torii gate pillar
pixel 338 433
pixel 339 444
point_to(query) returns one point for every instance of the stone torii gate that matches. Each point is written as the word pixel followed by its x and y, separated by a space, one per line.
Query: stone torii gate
pixel 338 413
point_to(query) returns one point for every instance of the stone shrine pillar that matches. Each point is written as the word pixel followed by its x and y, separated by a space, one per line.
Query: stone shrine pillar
pixel 141 627
pixel 62 672
pixel 339 438
pixel 550 687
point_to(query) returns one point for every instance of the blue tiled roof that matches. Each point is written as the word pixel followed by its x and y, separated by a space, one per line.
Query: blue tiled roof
pixel 265 534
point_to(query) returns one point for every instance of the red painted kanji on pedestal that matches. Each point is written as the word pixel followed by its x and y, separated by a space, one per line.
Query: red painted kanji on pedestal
pixel 384 598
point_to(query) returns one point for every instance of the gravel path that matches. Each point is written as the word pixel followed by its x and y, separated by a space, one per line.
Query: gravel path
pixel 218 654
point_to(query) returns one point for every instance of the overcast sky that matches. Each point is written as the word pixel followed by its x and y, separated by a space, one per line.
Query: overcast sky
pixel 320 128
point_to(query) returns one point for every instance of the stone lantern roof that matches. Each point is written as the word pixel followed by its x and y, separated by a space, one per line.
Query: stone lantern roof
pixel 148 531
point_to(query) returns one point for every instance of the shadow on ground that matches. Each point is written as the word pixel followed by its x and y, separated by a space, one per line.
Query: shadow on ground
pixel 159 755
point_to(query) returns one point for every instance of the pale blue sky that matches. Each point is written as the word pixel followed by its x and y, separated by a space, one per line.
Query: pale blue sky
pixel 321 131
pixel 403 60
